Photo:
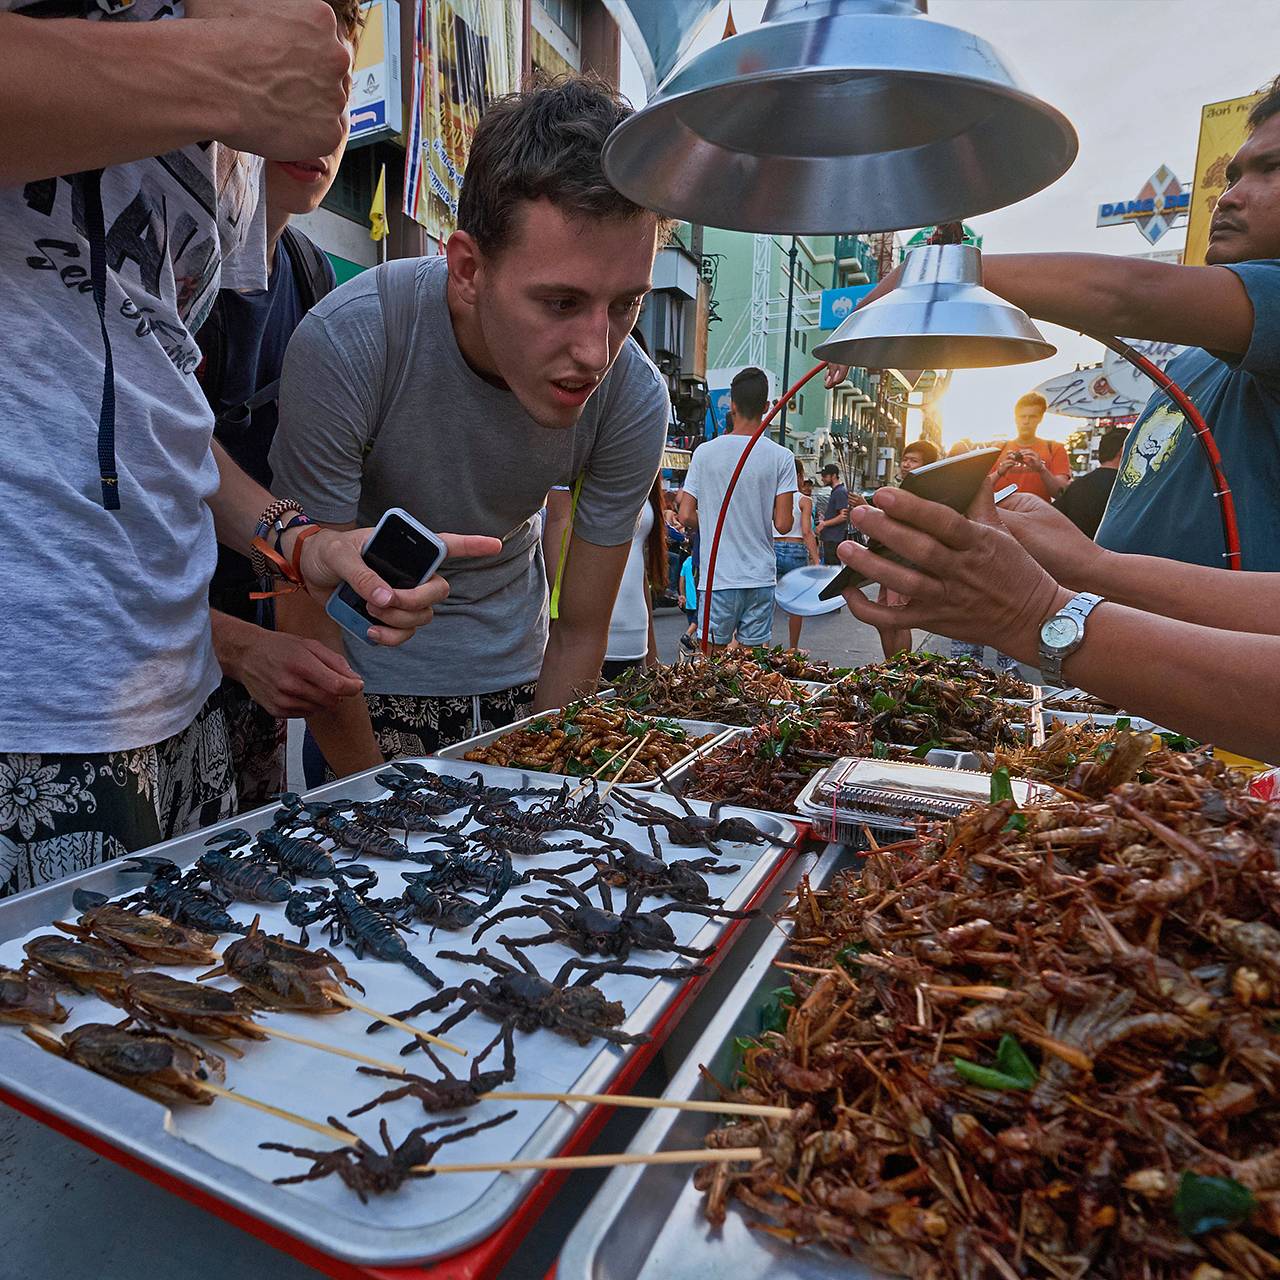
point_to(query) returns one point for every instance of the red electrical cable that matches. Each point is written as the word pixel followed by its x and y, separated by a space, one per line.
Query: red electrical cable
pixel 728 493
pixel 1200 428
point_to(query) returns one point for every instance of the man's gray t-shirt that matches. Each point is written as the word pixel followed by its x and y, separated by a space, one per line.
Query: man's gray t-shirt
pixel 462 456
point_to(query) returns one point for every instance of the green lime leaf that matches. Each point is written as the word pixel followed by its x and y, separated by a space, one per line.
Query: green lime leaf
pixel 882 701
pixel 1014 1070
pixel 880 750
pixel 848 956
pixel 1123 723
pixel 541 725
pixel 576 769
pixel 601 756
pixel 925 747
pixel 1205 1204
pixel 1017 822
pixel 571 730
pixel 773 1017
pixel 1001 787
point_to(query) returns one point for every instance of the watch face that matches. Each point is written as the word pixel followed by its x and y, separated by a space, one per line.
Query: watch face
pixel 1060 632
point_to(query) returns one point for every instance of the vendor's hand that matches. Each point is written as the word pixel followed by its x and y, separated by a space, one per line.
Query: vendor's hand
pixel 1052 540
pixel 835 375
pixel 290 675
pixel 966 579
pixel 333 556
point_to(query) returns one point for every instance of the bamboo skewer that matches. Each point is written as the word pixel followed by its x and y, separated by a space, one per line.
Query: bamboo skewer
pixel 617 777
pixel 582 786
pixel 280 1113
pixel 278 1033
pixel 627 1100
pixel 716 1156
pixel 344 999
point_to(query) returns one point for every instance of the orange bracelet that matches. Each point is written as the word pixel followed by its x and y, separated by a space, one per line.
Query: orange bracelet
pixel 290 570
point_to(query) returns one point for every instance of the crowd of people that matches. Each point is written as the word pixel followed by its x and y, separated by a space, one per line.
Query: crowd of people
pixel 182 373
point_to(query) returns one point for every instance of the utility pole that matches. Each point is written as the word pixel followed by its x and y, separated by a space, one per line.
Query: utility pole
pixel 786 351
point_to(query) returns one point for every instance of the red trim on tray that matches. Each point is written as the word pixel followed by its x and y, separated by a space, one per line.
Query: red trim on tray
pixel 484 1260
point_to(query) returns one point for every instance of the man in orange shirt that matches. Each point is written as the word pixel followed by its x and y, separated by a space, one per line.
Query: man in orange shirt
pixel 1036 466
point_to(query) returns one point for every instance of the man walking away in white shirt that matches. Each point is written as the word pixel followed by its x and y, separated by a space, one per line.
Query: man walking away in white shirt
pixel 742 592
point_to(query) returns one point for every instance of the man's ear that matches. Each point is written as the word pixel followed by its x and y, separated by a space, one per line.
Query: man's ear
pixel 465 265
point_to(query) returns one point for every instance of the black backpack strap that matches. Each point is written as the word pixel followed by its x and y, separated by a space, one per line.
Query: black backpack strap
pixel 311 268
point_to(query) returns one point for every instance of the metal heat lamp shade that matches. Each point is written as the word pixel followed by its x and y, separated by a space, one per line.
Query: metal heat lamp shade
pixel 939 317
pixel 835 116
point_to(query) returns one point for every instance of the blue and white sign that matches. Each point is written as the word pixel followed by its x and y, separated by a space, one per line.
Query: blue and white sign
pixel 838 303
pixel 717 412
pixel 1160 203
pixel 375 79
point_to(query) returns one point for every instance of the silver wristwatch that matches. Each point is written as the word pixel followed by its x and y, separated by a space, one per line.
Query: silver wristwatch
pixel 1063 634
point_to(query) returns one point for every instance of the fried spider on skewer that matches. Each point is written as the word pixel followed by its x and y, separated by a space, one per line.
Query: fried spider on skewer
pixel 449 1092
pixel 368 1171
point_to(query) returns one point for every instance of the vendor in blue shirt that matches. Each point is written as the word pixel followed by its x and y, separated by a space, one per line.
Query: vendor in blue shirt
pixel 268 676
pixel 1228 314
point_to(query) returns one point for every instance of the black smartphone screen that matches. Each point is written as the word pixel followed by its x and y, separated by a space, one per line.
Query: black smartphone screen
pixel 399 555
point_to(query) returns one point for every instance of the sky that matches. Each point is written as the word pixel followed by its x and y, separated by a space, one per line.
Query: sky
pixel 1131 75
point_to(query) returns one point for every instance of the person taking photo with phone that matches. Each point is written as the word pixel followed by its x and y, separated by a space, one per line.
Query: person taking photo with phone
pixel 463 388
pixel 1036 466
pixel 112 736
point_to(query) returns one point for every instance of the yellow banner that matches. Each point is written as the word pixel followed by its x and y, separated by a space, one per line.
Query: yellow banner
pixel 1223 129
pixel 467 54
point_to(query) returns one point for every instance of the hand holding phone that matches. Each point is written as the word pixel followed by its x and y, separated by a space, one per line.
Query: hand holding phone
pixel 403 553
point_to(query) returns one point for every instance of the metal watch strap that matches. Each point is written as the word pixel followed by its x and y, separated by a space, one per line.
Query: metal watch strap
pixel 262 567
pixel 1079 607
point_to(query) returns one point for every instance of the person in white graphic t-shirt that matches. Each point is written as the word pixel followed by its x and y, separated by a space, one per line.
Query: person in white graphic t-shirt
pixel 746 574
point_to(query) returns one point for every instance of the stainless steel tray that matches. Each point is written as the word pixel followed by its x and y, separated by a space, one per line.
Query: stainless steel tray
pixel 695 728
pixel 646 1221
pixel 324 1214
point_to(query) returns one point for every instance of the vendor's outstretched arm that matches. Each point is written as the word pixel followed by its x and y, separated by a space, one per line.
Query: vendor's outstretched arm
pixel 972 581
pixel 1189 592
pixel 1095 293
pixel 575 648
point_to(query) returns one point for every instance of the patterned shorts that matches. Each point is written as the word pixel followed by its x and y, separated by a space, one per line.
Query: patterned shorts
pixel 405 725
pixel 63 813
pixel 257 741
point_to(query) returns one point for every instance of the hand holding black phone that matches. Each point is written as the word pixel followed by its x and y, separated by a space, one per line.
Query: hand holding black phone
pixel 954 482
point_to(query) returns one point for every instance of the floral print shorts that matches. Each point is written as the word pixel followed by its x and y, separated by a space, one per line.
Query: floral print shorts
pixel 405 725
pixel 60 814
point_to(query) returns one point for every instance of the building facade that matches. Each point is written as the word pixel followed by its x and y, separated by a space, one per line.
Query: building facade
pixel 860 424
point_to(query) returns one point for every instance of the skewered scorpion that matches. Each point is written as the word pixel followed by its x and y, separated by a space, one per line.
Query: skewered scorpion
pixel 634 869
pixel 283 975
pixel 599 930
pixel 366 1170
pixel 294 856
pixel 471 790
pixel 521 998
pixel 167 895
pixel 229 879
pixel 449 1092
pixel 506 832
pixel 360 835
pixel 362 926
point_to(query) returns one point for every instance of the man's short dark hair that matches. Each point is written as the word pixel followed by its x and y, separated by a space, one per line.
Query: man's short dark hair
pixel 831 469
pixel 544 143
pixel 749 392
pixel 925 450
pixel 1111 443
pixel 1032 400
pixel 1266 106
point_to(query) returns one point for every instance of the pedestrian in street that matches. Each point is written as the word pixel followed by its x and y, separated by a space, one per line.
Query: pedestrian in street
pixel 742 594
pixel 463 388
pixel 797 548
pixel 631 640
pixel 833 528
pixel 894 640
pixel 1085 499
pixel 112 736
pixel 1036 466
pixel 268 676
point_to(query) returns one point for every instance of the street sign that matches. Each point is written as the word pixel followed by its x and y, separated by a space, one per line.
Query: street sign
pixel 838 303
pixel 1159 204
pixel 375 79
